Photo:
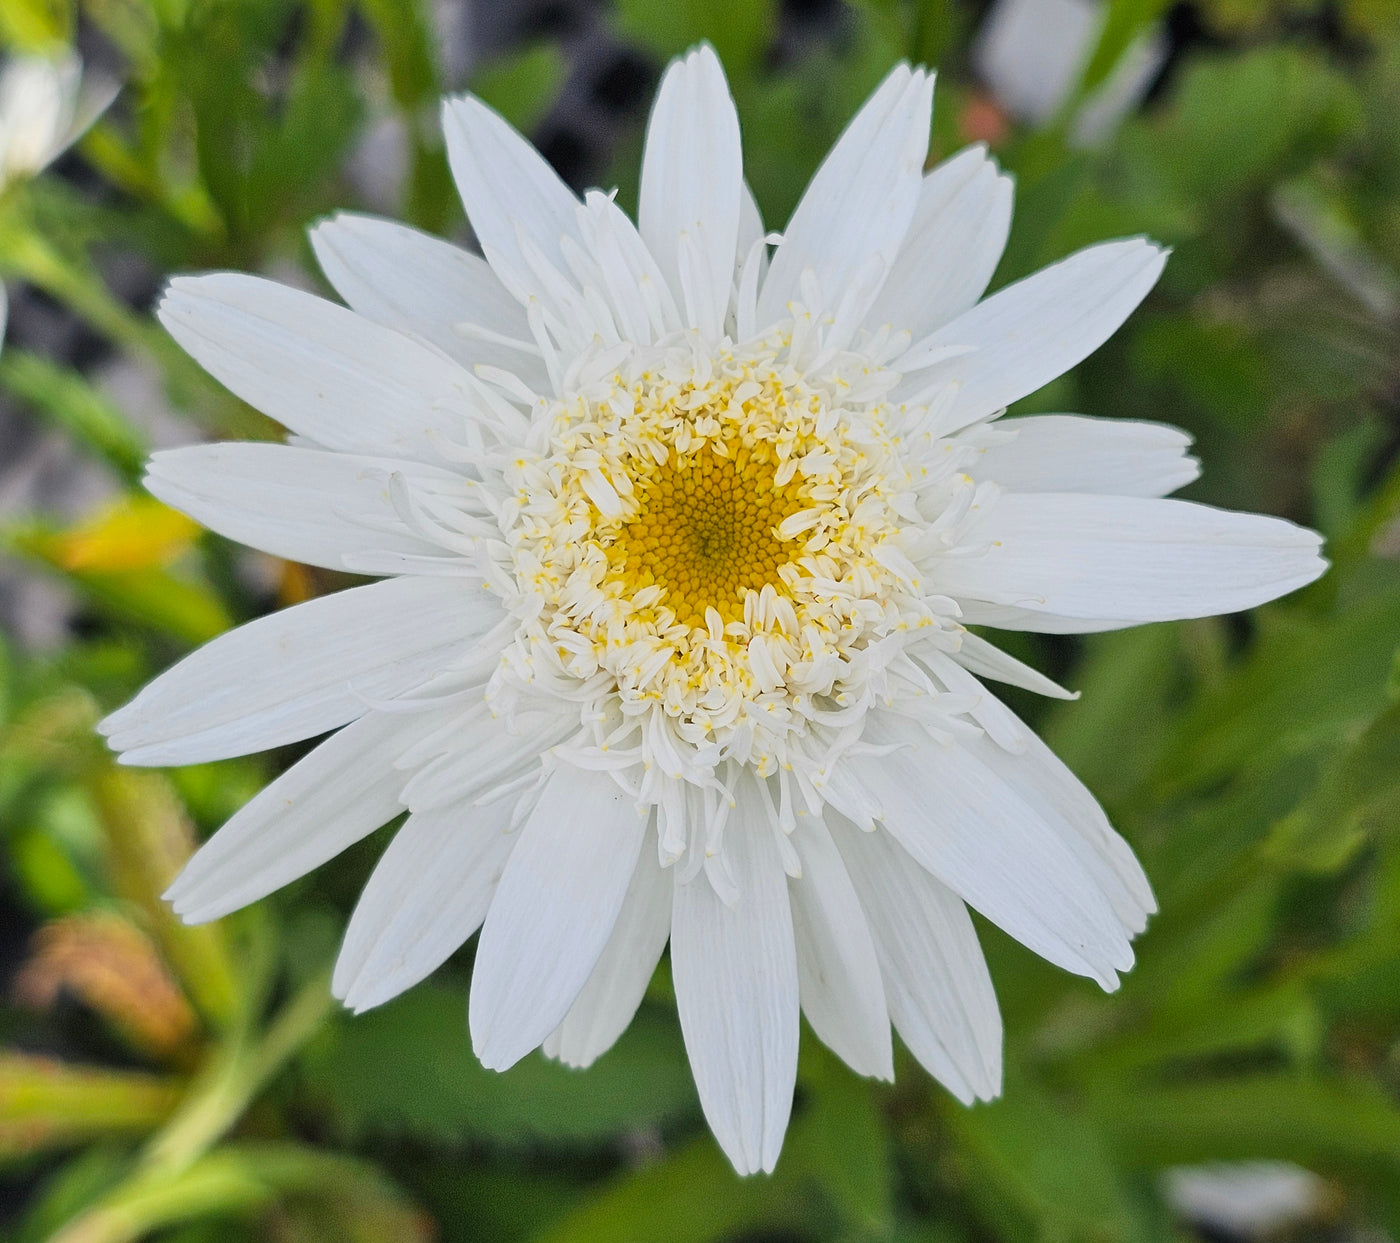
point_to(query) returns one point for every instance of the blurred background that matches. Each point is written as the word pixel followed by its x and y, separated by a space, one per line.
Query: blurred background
pixel 196 1085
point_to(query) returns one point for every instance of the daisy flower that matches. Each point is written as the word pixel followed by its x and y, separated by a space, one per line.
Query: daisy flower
pixel 679 528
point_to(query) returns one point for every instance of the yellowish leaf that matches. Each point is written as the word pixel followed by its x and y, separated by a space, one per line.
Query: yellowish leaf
pixel 136 533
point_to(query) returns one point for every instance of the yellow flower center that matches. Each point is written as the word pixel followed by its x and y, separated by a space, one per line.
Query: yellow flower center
pixel 716 538
pixel 706 530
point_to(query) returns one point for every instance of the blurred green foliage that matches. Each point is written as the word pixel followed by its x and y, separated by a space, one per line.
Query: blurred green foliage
pixel 195 1084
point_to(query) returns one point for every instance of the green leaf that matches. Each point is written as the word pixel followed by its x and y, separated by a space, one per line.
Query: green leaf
pixel 1302 683
pixel 1358 793
pixel 1032 1159
pixel 839 1142
pixel 1316 1122
pixel 693 1196
pixel 68 401
pixel 149 840
pixel 183 608
pixel 409 1068
pixel 739 29
pixel 1125 21
pixel 46 1104
pixel 523 87
pixel 306 145
pixel 1238 123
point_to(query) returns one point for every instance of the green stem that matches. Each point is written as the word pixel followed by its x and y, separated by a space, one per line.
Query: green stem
pixel 33 259
pixel 238 1178
pixel 234 1076
pixel 68 401
pixel 177 1177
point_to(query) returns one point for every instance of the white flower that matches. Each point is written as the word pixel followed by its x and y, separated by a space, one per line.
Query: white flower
pixel 677 543
pixel 41 113
pixel 1245 1199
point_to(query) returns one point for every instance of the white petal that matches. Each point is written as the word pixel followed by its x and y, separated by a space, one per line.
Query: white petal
pixel 838 973
pixel 857 209
pixel 1072 453
pixel 1027 334
pixel 506 185
pixel 488 754
pixel 325 372
pixel 553 912
pixel 427 895
pixel 37 99
pixel 952 248
pixel 1053 558
pixel 692 186
pixel 1040 777
pixel 300 672
pixel 637 293
pixel 750 268
pixel 328 800
pixel 970 829
pixel 735 972
pixel 608 1001
pixel 303 504
pixel 987 661
pixel 750 225
pixel 936 979
pixel 418 283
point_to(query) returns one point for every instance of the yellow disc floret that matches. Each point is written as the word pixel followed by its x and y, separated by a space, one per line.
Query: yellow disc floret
pixel 706 530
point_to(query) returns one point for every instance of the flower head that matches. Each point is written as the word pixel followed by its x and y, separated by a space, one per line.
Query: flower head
pixel 679 528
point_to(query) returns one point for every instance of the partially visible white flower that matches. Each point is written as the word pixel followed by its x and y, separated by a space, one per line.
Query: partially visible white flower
pixel 1244 1199
pixel 43 111
pixel 1031 53
pixel 679 543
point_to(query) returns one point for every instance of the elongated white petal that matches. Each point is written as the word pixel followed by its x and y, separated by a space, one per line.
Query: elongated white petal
pixel 973 832
pixel 692 187
pixel 303 504
pixel 1040 777
pixel 952 248
pixel 342 791
pixel 300 672
pixel 496 753
pixel 940 993
pixel 608 1001
pixel 856 211
pixel 553 912
pixel 1109 560
pixel 507 188
pixel 1072 453
pixel 427 895
pixel 318 369
pixel 735 972
pixel 750 226
pixel 838 972
pixel 414 282
pixel 1027 334
pixel 638 294
pixel 988 661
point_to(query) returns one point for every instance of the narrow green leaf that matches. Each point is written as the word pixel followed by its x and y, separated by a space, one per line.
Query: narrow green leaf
pixel 46 1104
